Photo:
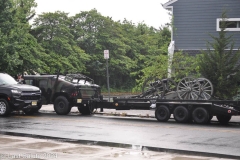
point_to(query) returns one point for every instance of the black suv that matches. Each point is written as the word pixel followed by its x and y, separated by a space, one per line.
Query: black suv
pixel 15 96
pixel 67 91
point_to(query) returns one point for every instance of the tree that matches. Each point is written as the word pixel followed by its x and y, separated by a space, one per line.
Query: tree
pixel 8 43
pixel 52 30
pixel 19 49
pixel 220 64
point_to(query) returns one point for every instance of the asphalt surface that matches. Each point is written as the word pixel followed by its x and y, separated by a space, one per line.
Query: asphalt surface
pixel 225 143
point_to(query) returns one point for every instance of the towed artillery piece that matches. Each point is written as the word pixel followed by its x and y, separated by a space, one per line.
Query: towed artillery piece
pixel 188 88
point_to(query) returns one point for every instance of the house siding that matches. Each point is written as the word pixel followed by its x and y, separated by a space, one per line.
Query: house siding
pixel 194 20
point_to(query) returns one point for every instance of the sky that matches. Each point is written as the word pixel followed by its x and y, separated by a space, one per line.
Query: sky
pixel 149 12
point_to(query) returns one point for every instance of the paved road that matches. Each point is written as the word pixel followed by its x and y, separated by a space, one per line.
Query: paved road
pixel 213 138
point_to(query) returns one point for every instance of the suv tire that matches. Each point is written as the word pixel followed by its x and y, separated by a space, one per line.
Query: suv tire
pixel 62 106
pixel 4 107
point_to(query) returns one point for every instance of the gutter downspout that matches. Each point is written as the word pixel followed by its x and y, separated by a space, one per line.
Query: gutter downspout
pixel 171 48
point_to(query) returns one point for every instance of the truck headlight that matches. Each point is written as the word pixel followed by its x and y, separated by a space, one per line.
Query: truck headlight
pixel 16 93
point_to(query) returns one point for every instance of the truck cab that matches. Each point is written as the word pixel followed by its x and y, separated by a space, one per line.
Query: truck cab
pixel 66 91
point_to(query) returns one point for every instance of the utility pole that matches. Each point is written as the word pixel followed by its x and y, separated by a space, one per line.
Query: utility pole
pixel 106 56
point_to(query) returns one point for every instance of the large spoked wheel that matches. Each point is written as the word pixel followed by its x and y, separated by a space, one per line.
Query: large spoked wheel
pixel 200 115
pixel 223 119
pixel 188 88
pixel 162 113
pixel 206 89
pixel 152 87
pixel 181 114
pixel 61 105
pixel 4 108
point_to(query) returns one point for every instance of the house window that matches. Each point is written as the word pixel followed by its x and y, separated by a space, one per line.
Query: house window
pixel 233 24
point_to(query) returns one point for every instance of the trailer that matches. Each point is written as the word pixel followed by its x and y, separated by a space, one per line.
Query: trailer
pixel 197 111
pixel 189 101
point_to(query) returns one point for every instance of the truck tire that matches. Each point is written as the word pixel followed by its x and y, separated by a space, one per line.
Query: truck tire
pixel 210 118
pixel 62 106
pixel 29 111
pixel 33 110
pixel 223 119
pixel 39 106
pixel 4 107
pixel 162 113
pixel 85 110
pixel 181 114
pixel 200 115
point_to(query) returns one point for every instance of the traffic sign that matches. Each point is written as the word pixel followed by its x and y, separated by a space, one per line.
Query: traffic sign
pixel 106 54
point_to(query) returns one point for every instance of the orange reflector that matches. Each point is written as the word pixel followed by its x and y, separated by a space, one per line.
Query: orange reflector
pixel 9 98
pixel 229 111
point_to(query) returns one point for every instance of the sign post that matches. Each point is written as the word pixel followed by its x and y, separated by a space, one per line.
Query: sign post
pixel 106 56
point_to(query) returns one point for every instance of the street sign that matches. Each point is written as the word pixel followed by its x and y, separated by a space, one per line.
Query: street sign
pixel 106 54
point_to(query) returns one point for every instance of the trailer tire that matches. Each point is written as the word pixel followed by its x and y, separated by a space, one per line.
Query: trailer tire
pixel 162 113
pixel 223 119
pixel 61 105
pixel 200 115
pixel 181 114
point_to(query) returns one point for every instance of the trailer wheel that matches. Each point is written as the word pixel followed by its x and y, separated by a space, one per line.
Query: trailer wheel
pixel 62 106
pixel 162 113
pixel 181 114
pixel 223 119
pixel 200 115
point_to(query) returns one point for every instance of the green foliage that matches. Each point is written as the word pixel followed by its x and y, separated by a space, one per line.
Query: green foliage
pixel 220 65
pixel 19 49
pixel 53 32
pixel 56 41
pixel 184 65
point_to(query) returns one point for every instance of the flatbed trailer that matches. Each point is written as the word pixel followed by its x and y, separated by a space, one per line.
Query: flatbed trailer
pixel 197 111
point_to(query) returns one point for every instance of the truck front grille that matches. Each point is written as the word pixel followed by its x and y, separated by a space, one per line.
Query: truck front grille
pixel 30 95
pixel 36 97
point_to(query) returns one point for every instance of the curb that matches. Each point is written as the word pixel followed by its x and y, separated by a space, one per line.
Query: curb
pixel 108 114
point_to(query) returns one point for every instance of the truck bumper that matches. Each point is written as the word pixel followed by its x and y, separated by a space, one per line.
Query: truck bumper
pixel 18 104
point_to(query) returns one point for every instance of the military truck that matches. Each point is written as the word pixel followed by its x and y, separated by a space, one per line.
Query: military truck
pixel 67 91
pixel 15 96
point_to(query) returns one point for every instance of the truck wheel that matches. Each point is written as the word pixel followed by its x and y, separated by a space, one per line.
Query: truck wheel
pixel 200 115
pixel 181 114
pixel 162 113
pixel 210 118
pixel 39 106
pixel 29 111
pixel 223 119
pixel 61 105
pixel 85 110
pixel 4 108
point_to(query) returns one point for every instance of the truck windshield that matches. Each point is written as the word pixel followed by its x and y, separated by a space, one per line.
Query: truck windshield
pixel 7 79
